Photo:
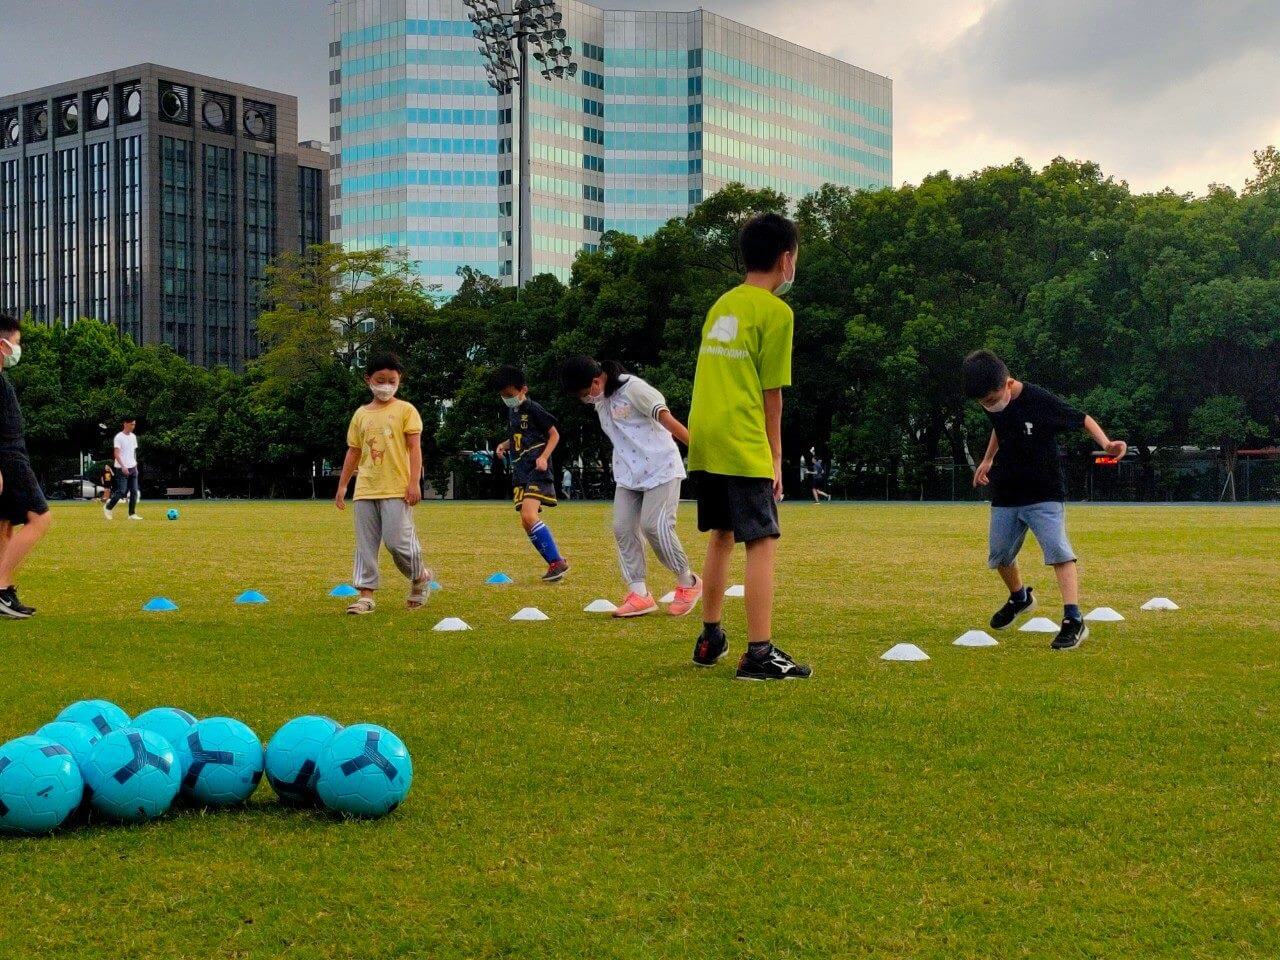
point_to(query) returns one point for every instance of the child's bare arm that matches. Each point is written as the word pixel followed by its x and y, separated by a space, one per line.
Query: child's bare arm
pixel 553 441
pixel 413 493
pixel 349 464
pixel 1113 448
pixel 773 428
pixel 674 426
pixel 981 476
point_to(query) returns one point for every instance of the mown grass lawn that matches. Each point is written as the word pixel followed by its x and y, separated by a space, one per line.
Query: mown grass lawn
pixel 581 791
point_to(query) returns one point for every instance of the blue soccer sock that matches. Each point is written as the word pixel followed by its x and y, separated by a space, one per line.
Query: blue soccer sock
pixel 1071 611
pixel 542 540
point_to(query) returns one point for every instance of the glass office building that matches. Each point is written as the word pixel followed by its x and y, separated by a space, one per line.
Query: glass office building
pixel 666 108
pixel 153 199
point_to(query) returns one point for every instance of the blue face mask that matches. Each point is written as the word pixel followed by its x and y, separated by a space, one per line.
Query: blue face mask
pixel 513 402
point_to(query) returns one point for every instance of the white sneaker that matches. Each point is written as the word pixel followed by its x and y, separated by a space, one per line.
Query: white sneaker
pixel 135 516
pixel 107 513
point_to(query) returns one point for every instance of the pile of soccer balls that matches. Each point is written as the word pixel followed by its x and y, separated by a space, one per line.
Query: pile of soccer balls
pixel 133 770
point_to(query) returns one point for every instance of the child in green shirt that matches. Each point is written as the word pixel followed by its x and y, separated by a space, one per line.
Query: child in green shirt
pixel 735 446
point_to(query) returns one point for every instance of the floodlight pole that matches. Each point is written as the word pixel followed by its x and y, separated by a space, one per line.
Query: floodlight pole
pixel 524 236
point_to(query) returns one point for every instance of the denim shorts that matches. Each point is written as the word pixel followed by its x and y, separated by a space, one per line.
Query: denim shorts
pixel 1009 526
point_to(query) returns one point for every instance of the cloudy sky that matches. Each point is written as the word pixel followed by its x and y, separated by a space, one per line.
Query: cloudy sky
pixel 1161 92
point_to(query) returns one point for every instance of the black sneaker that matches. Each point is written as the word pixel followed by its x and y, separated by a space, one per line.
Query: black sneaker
pixel 1072 634
pixel 11 606
pixel 1013 609
pixel 772 665
pixel 556 571
pixel 711 647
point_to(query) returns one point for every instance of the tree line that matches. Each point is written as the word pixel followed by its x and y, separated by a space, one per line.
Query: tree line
pixel 1158 313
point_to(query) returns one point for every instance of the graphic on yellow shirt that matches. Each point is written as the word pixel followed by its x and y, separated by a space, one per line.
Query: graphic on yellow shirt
pixel 380 433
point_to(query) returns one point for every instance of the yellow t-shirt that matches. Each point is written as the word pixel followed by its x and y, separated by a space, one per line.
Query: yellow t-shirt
pixel 746 349
pixel 379 432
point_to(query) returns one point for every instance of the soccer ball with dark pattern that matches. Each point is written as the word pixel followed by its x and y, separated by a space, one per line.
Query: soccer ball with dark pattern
pixel 40 785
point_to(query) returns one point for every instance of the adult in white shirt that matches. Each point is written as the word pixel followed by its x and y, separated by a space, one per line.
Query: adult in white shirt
pixel 126 463
pixel 647 469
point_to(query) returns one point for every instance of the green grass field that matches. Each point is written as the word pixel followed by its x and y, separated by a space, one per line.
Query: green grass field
pixel 581 791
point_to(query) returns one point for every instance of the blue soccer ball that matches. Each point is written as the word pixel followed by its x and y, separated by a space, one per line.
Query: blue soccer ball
pixel 132 775
pixel 172 514
pixel 226 762
pixel 40 785
pixel 172 724
pixel 79 738
pixel 292 755
pixel 365 771
pixel 103 715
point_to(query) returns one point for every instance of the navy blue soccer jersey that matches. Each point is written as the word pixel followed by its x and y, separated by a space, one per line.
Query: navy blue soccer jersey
pixel 530 427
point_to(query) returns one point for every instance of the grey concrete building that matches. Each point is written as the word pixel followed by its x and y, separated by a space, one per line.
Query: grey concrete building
pixel 153 198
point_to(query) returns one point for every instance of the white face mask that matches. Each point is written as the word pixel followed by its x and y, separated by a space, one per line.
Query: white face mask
pixel 513 402
pixel 782 289
pixel 998 407
pixel 384 391
pixel 594 399
pixel 12 359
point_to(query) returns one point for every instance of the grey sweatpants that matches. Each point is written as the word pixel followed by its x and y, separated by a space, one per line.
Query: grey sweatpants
pixel 387 522
pixel 648 515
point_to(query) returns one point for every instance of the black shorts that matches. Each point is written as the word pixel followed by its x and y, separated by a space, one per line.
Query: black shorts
pixel 21 494
pixel 528 482
pixel 741 505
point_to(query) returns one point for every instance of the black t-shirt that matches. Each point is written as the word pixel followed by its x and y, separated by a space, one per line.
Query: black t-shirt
pixel 12 442
pixel 530 425
pixel 1028 466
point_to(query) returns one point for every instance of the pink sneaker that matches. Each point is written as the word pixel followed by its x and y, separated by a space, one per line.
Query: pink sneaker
pixel 636 606
pixel 686 598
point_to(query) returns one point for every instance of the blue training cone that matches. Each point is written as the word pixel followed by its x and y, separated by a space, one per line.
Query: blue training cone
pixel 251 596
pixel 498 578
pixel 159 605
pixel 435 585
pixel 344 590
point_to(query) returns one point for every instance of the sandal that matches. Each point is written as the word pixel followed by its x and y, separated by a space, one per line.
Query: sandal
pixel 361 606
pixel 420 592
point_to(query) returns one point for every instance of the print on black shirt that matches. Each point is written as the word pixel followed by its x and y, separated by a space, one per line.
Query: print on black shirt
pixel 1028 465
pixel 530 427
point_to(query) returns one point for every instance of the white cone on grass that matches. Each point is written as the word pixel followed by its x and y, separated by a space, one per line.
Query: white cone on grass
pixel 599 606
pixel 1104 615
pixel 737 590
pixel 451 624
pixel 975 638
pixel 904 651
pixel 668 597
pixel 1039 625
pixel 1160 603
pixel 530 613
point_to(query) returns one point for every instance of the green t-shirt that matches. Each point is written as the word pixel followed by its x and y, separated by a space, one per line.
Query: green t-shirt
pixel 746 349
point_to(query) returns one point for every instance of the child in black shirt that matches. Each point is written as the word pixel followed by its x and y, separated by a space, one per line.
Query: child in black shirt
pixel 1024 470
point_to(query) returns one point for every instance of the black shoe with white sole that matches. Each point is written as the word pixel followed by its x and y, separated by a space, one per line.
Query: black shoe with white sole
pixel 711 647
pixel 773 664
pixel 11 606
pixel 1013 609
pixel 1072 634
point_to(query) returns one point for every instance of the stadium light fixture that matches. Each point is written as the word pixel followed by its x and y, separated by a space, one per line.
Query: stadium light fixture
pixel 507 32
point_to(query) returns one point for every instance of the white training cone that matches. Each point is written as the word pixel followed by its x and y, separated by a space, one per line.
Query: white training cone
pixel 599 606
pixel 975 638
pixel 737 590
pixel 1039 625
pixel 450 624
pixel 530 613
pixel 1104 615
pixel 668 597
pixel 1160 603
pixel 904 651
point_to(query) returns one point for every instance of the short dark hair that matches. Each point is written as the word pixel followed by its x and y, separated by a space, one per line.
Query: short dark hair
pixel 9 324
pixel 507 376
pixel 576 374
pixel 129 418
pixel 383 361
pixel 983 372
pixel 766 237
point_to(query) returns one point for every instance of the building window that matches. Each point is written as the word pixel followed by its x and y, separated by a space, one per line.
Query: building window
pixel 68 305
pixel 311 228
pixel 219 256
pixel 259 233
pixel 10 273
pixel 97 235
pixel 176 266
pixel 38 237
pixel 129 233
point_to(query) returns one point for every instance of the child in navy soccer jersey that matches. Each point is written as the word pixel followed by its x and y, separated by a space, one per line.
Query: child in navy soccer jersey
pixel 1024 470
pixel 532 439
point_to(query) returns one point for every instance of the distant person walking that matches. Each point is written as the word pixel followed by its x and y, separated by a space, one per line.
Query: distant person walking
pixel 817 478
pixel 566 484
pixel 126 470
